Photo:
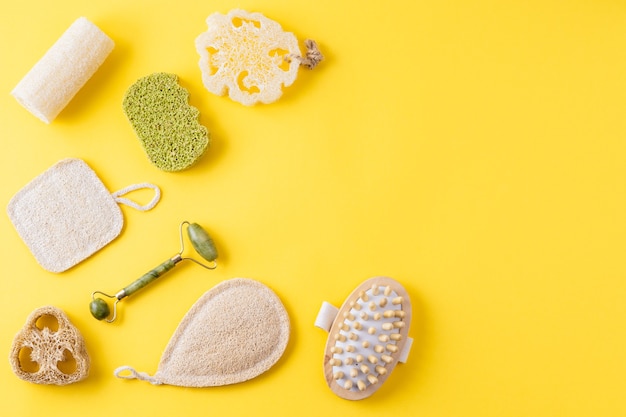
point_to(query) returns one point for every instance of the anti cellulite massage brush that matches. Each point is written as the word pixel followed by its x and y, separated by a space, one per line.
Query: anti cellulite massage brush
pixel 368 336
pixel 201 242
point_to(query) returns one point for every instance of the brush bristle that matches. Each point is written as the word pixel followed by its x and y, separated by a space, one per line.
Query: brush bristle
pixel 367 339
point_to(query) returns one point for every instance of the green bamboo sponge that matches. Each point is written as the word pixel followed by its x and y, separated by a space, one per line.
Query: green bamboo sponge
pixel 166 125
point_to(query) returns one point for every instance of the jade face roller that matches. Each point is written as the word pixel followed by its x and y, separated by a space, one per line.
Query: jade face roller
pixel 201 242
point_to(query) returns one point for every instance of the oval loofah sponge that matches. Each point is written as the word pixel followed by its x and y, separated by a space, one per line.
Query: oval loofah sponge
pixel 236 331
pixel 247 56
pixel 167 126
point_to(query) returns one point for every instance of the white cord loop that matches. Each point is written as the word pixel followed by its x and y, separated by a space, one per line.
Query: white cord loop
pixel 117 196
pixel 126 372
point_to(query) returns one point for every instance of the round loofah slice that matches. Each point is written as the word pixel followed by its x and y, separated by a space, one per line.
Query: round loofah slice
pixel 236 331
pixel 247 56
pixel 166 125
pixel 52 353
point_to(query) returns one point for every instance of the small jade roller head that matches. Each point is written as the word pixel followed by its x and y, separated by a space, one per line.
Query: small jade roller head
pixel 99 308
pixel 201 242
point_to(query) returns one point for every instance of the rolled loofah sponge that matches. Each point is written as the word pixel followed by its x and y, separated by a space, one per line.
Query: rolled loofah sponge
pixel 50 353
pixel 247 56
pixel 166 125
pixel 54 80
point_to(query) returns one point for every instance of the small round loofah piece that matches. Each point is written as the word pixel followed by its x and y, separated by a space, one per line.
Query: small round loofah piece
pixel 166 125
pixel 247 56
pixel 236 331
pixel 51 353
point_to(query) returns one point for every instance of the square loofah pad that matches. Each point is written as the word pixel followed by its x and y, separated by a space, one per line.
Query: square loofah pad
pixel 66 214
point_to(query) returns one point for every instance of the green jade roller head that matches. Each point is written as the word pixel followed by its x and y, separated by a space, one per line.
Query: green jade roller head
pixel 201 242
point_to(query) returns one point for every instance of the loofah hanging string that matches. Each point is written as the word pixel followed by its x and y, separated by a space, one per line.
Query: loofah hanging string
pixel 117 196
pixel 311 58
pixel 127 372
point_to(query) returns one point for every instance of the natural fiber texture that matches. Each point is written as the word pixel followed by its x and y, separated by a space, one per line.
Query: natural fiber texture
pixel 166 125
pixel 313 55
pixel 48 348
pixel 233 333
pixel 54 80
pixel 66 214
pixel 243 54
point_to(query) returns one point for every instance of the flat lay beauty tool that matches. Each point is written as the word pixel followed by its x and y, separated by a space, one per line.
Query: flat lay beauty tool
pixel 473 151
pixel 201 242
pixel 66 214
pixel 249 57
pixel 166 125
pixel 49 349
pixel 56 78
pixel 368 336
pixel 236 331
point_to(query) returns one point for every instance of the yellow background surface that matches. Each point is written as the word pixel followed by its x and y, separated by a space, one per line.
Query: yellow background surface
pixel 472 150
